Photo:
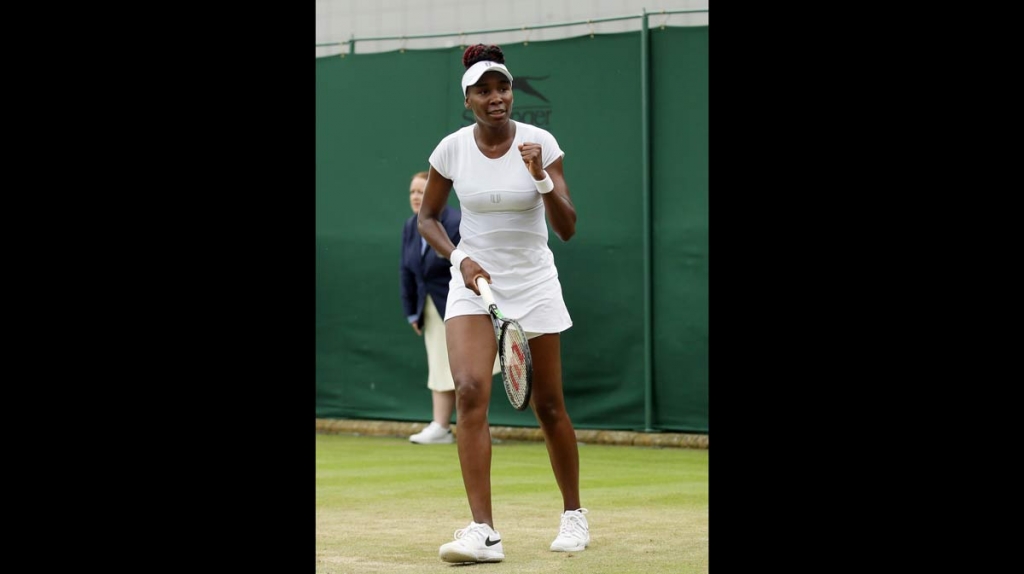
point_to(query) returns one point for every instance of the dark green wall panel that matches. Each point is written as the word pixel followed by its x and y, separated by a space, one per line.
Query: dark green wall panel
pixel 679 177
pixel 378 118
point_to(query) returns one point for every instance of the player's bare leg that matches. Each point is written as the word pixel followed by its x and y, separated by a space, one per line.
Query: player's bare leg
pixel 549 407
pixel 471 350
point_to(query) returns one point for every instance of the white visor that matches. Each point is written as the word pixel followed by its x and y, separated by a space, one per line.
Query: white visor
pixel 472 75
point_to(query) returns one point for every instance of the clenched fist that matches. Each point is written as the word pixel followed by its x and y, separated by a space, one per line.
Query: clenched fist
pixel 531 153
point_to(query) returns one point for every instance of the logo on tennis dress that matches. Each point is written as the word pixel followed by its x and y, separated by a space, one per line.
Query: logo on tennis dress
pixel 490 542
pixel 495 198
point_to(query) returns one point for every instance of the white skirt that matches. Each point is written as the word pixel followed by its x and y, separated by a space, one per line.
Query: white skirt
pixel 539 308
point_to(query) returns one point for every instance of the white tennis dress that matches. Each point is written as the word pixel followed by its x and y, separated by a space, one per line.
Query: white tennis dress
pixel 504 230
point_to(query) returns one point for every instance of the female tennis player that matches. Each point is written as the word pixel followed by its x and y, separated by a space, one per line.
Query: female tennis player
pixel 508 176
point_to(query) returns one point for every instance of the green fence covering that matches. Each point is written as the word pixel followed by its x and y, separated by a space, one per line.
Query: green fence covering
pixel 378 118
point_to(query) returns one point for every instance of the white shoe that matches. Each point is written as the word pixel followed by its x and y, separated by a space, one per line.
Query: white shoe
pixel 433 434
pixel 574 533
pixel 474 543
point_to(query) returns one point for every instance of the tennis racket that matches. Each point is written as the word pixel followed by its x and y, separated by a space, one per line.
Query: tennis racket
pixel 513 351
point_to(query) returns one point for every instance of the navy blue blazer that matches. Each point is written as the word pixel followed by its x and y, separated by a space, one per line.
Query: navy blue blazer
pixel 425 272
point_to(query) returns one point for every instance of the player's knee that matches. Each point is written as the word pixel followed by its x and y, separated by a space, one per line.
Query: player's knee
pixel 549 411
pixel 469 392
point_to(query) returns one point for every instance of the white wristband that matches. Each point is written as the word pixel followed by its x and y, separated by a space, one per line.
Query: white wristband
pixel 545 185
pixel 456 257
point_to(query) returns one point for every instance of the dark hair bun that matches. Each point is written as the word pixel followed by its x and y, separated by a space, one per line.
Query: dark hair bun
pixel 479 53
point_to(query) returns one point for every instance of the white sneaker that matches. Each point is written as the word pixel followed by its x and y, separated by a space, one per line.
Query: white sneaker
pixel 574 533
pixel 433 434
pixel 474 543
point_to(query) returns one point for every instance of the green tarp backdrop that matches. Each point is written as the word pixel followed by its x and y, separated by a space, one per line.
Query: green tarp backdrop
pixel 378 117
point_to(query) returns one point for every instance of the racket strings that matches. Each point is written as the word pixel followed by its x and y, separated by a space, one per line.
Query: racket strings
pixel 515 365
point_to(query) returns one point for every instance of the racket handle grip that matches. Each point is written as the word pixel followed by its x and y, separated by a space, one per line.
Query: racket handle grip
pixel 485 291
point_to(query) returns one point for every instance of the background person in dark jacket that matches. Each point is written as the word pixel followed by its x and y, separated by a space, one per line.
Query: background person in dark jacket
pixel 425 277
